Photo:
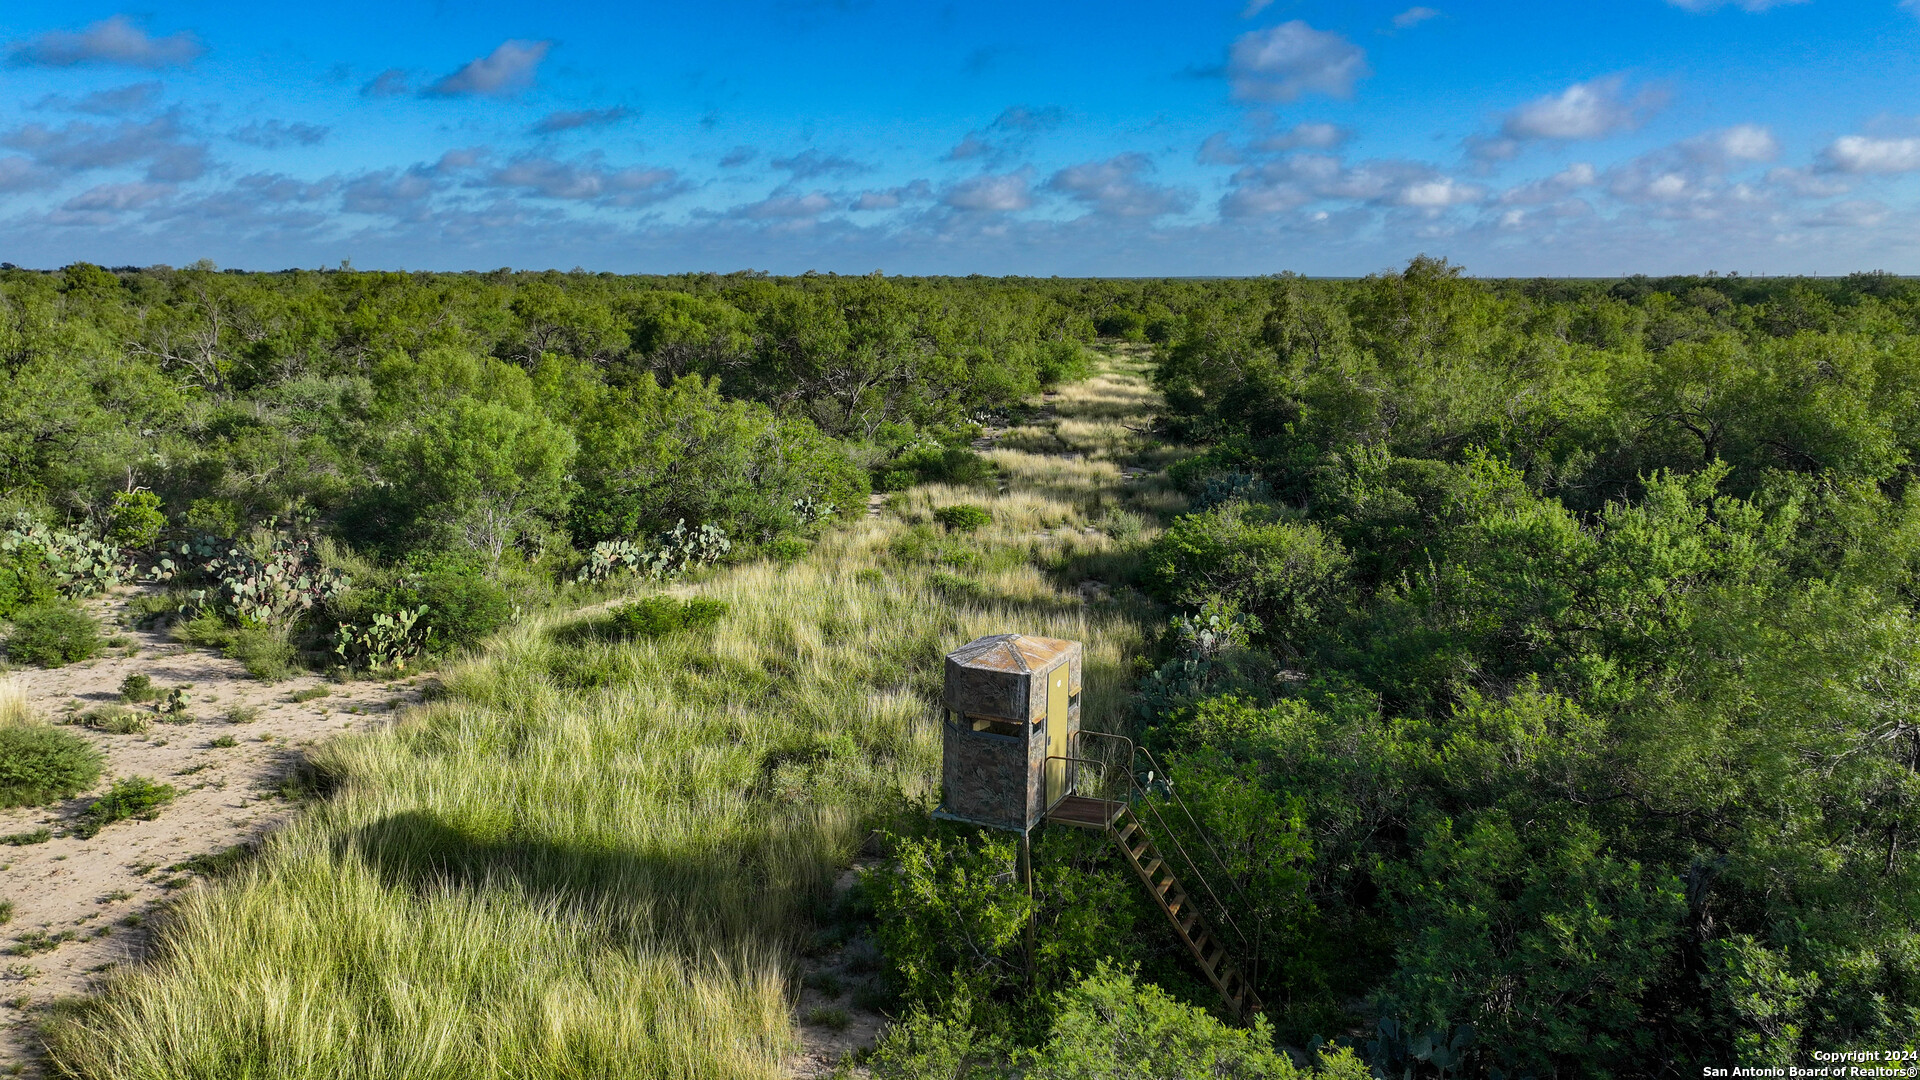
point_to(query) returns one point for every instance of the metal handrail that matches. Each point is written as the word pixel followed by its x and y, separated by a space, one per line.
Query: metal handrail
pixel 1137 796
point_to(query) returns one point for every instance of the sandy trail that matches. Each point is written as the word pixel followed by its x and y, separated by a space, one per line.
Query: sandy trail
pixel 81 906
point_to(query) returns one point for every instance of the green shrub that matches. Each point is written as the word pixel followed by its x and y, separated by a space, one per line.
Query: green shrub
pixel 1285 573
pixel 831 1018
pixel 658 616
pixel 1063 361
pixel 956 586
pixel 24 581
pixel 206 629
pixel 53 634
pixel 6 912
pixel 930 464
pixel 150 608
pixel 135 520
pixel 132 797
pixel 224 742
pixel 314 693
pixel 39 764
pixel 32 836
pixel 463 604
pixel 789 549
pixel 925 1044
pixel 963 517
pixel 1124 525
pixel 263 651
pixel 138 688
pixel 1110 1024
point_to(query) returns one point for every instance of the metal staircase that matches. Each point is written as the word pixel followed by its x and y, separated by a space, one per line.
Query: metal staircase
pixel 1121 819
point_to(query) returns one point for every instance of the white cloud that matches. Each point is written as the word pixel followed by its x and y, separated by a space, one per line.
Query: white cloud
pixel 1287 183
pixel 812 163
pixel 1304 136
pixel 1864 154
pixel 1742 142
pixel 115 102
pixel 1255 7
pixel 1808 183
pixel 990 193
pixel 115 40
pixel 1218 149
pixel 1743 5
pixel 274 134
pixel 1438 193
pixel 1012 130
pixel 1114 187
pixel 389 83
pixel 785 207
pixel 118 197
pixel 1413 17
pixel 392 193
pixel 1851 214
pixel 572 120
pixel 893 198
pixel 167 149
pixel 1573 178
pixel 507 70
pixel 1292 59
pixel 586 180
pixel 1588 110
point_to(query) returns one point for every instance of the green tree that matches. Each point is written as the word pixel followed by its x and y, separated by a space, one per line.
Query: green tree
pixel 485 474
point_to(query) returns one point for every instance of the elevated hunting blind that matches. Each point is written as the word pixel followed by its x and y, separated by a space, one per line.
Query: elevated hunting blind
pixel 1011 759
pixel 1012 709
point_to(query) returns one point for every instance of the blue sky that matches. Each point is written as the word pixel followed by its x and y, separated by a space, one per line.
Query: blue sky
pixel 1246 137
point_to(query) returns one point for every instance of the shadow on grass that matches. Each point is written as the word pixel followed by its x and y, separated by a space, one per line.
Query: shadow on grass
pixel 694 898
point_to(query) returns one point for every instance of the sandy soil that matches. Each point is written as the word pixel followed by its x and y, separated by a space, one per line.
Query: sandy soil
pixel 80 906
pixel 824 1045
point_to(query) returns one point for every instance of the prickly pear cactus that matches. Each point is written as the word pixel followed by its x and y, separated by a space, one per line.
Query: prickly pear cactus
pixel 674 551
pixel 807 509
pixel 82 564
pixel 610 557
pixel 385 644
pixel 681 548
pixel 273 590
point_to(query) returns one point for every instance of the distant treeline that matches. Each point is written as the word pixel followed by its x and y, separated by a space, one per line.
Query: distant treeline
pixel 403 409
pixel 618 405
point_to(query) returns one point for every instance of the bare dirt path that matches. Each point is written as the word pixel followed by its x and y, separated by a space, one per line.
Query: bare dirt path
pixel 80 906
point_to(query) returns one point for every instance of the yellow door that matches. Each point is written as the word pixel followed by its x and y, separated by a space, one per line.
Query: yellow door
pixel 1057 735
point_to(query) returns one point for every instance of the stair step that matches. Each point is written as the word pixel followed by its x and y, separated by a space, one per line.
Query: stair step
pixel 1213 956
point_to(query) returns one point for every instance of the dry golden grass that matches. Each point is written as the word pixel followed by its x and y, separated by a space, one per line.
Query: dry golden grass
pixel 14 708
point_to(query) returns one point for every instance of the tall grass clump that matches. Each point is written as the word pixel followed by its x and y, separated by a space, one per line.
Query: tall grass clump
pixel 591 856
